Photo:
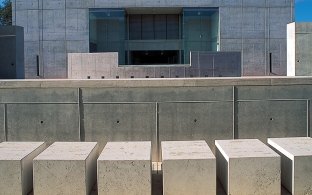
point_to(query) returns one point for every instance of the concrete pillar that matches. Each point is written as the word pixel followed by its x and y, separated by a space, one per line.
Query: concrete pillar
pixel 248 167
pixel 124 168
pixel 16 167
pixel 296 163
pixel 66 168
pixel 189 167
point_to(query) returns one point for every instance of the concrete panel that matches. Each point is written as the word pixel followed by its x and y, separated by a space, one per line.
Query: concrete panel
pixel 274 92
pixel 24 5
pixel 253 26
pixel 2 123
pixel 230 20
pixel 297 152
pixel 189 167
pixel 124 168
pixel 303 57
pixel 263 119
pixel 60 95
pixel 43 122
pixel 278 48
pixel 196 121
pixel 79 4
pixel 66 168
pixel 291 49
pixel 16 166
pixel 120 122
pixel 251 167
pixel 158 94
pixel 55 63
pixel 56 4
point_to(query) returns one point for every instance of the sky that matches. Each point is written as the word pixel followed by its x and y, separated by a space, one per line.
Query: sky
pixel 303 10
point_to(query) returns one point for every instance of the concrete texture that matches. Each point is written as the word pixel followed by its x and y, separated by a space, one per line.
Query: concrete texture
pixel 124 168
pixel 155 109
pixel 248 167
pixel 189 167
pixel 299 41
pixel 254 28
pixel 106 66
pixel 66 168
pixel 16 166
pixel 12 52
pixel 296 164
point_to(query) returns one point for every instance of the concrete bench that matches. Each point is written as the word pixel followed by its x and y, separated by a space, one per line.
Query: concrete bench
pixel 16 167
pixel 189 167
pixel 66 168
pixel 124 168
pixel 296 163
pixel 248 167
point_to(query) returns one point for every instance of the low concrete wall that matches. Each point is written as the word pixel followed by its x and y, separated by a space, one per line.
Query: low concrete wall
pixel 155 109
pixel 105 66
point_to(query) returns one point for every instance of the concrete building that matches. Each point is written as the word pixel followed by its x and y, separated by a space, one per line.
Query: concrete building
pixel 299 49
pixel 11 52
pixel 153 32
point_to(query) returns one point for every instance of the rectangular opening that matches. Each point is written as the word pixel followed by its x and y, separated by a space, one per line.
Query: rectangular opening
pixel 154 57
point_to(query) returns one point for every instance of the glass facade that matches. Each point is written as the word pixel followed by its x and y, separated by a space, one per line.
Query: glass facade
pixel 143 39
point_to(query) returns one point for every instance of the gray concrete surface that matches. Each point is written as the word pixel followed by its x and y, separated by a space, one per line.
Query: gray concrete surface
pixel 188 167
pixel 52 29
pixel 66 168
pixel 106 66
pixel 296 164
pixel 16 166
pixel 248 166
pixel 12 52
pixel 124 168
pixel 155 109
pixel 299 49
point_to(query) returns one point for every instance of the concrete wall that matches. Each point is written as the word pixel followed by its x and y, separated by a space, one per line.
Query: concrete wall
pixel 299 49
pixel 105 66
pixel 11 52
pixel 54 28
pixel 155 109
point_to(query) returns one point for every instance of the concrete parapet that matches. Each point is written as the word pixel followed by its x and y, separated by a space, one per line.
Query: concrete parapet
pixel 66 168
pixel 124 168
pixel 296 163
pixel 16 166
pixel 247 167
pixel 189 167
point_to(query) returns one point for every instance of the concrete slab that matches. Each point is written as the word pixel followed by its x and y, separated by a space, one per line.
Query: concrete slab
pixel 296 164
pixel 16 166
pixel 124 168
pixel 66 168
pixel 189 167
pixel 247 167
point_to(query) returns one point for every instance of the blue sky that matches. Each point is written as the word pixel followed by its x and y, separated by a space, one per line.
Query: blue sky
pixel 303 10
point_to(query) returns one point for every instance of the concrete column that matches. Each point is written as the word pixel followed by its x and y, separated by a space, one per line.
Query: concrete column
pixel 124 168
pixel 248 167
pixel 189 167
pixel 296 163
pixel 16 167
pixel 66 168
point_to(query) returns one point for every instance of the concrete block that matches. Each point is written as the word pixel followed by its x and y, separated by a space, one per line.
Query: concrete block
pixel 296 163
pixel 248 167
pixel 66 168
pixel 189 167
pixel 124 168
pixel 16 166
